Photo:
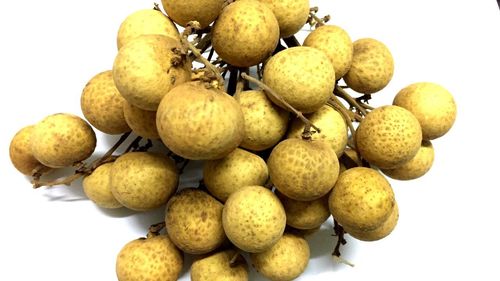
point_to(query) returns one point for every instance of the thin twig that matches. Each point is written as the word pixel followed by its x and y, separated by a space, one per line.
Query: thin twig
pixel 339 232
pixel 154 229
pixel 133 145
pixel 315 20
pixel 343 94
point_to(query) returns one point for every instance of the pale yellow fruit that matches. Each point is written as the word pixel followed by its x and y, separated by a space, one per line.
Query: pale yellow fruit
pixel 361 199
pixel 291 15
pixel 97 187
pixel 142 122
pixel 153 258
pixel 143 181
pixel 372 66
pixel 246 33
pixel 337 45
pixel 218 267
pixel 303 170
pixel 305 214
pixel 388 137
pixel 332 125
pixel 418 166
pixel 253 219
pixel 378 233
pixel 303 76
pixel 200 123
pixel 265 122
pixel 143 70
pixel 143 22
pixel 102 104
pixel 61 140
pixel 433 106
pixel 238 169
pixel 202 11
pixel 194 221
pixel 20 152
pixel 284 261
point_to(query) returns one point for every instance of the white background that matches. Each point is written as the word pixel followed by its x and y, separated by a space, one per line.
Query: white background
pixel 448 226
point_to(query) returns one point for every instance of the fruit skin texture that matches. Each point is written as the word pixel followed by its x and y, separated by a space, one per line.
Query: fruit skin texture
pixel 62 139
pixel 217 267
pixel 372 66
pixel 253 219
pixel 199 123
pixel 143 70
pixel 303 170
pixel 20 152
pixel 291 15
pixel 305 214
pixel 143 181
pixel 362 199
pixel 203 11
pixel 238 169
pixel 102 104
pixel 246 33
pixel 194 221
pixel 418 166
pixel 389 136
pixel 153 258
pixel 265 122
pixel 303 76
pixel 337 45
pixel 142 122
pixel 332 125
pixel 433 106
pixel 286 260
pixel 97 187
pixel 378 233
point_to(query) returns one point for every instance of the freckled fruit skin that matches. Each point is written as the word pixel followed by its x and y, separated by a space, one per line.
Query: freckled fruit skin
pixel 142 122
pixel 305 214
pixel 20 152
pixel 218 267
pixel 418 166
pixel 253 219
pixel 203 11
pixel 291 14
pixel 378 233
pixel 97 187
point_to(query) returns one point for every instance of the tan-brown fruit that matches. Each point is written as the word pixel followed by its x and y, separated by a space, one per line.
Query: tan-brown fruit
pixel 143 22
pixel 153 258
pixel 143 181
pixel 97 187
pixel 337 45
pixel 102 104
pixel 20 152
pixel 246 33
pixel 303 76
pixel 305 214
pixel 253 219
pixel 349 160
pixel 142 122
pixel 292 15
pixel 372 66
pixel 388 137
pixel 238 169
pixel 433 106
pixel 202 11
pixel 199 123
pixel 284 261
pixel 332 125
pixel 265 122
pixel 143 70
pixel 303 170
pixel 418 166
pixel 361 199
pixel 61 140
pixel 219 267
pixel 378 233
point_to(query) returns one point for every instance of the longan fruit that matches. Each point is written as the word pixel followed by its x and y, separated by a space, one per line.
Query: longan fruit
pixel 388 136
pixel 253 218
pixel 61 140
pixel 362 199
pixel 418 166
pixel 142 122
pixel 303 76
pixel 143 181
pixel 202 11
pixel 372 66
pixel 378 233
pixel 303 170
pixel 337 45
pixel 152 258
pixel 194 221
pixel 433 106
pixel 97 187
pixel 292 15
pixel 305 214
pixel 246 33
pixel 200 123
pixel 218 267
pixel 238 169
pixel 102 104
pixel 21 155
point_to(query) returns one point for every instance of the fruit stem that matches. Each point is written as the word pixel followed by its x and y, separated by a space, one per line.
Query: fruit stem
pixel 154 229
pixel 337 105
pixel 315 20
pixel 339 232
pixel 339 91
pixel 307 134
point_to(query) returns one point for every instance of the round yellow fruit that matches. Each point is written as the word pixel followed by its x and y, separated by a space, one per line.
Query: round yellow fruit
pixel 292 15
pixel 20 152
pixel 418 166
pixel 142 122
pixel 219 267
pixel 378 233
pixel 97 187
pixel 202 11
pixel 305 214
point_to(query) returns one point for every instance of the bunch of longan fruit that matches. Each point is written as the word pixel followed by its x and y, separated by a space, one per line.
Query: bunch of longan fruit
pixel 287 140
